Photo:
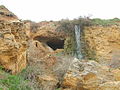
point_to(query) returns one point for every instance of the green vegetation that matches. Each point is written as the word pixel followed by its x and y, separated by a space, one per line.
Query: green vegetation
pixel 67 25
pixel 12 82
pixel 69 46
pixel 105 22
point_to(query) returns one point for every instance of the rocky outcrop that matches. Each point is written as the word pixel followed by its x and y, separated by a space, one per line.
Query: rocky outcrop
pixel 90 75
pixel 103 42
pixel 12 46
pixel 6 15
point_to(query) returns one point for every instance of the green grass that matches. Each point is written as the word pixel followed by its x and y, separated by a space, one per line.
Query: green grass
pixel 12 82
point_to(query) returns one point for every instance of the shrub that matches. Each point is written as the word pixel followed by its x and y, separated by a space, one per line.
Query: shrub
pixel 105 22
pixel 67 25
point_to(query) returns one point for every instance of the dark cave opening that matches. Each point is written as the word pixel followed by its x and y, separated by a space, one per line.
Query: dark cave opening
pixel 56 44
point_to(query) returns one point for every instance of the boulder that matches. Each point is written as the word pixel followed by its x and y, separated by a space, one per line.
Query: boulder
pixel 86 75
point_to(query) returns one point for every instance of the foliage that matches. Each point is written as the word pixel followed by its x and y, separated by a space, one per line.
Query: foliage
pixel 67 25
pixel 69 46
pixel 105 22
pixel 12 82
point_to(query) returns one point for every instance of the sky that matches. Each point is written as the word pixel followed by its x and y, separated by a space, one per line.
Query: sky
pixel 40 10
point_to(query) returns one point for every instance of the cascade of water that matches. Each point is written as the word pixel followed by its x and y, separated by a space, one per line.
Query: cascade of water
pixel 78 41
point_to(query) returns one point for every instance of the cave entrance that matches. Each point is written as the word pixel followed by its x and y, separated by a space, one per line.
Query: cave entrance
pixel 56 44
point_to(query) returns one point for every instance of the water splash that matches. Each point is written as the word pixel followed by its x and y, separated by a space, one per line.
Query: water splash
pixel 78 42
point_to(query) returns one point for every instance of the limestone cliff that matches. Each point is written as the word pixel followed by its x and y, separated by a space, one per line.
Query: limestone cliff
pixel 12 46
pixel 103 42
pixel 13 41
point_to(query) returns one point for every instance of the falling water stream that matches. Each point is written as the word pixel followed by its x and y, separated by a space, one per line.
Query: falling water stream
pixel 78 42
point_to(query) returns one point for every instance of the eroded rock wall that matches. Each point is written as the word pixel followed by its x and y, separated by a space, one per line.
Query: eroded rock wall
pixel 13 46
pixel 103 41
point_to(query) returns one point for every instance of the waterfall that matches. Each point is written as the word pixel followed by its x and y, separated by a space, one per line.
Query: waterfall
pixel 78 42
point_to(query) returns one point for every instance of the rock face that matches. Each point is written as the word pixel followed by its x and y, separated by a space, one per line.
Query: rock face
pixel 13 41
pixel 12 46
pixel 103 42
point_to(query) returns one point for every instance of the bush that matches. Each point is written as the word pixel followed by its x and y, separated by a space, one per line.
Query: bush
pixel 104 22
pixel 67 25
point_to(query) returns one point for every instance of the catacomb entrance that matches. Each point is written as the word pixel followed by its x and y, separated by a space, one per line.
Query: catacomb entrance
pixel 55 44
